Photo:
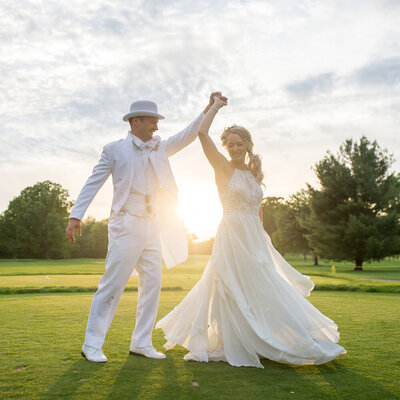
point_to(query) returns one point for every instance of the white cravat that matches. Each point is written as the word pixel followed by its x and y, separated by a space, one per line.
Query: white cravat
pixel 144 180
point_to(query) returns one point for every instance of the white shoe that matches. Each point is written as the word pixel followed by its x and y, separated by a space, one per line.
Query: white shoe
pixel 149 352
pixel 93 354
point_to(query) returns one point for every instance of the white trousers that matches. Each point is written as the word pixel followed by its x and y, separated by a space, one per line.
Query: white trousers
pixel 134 242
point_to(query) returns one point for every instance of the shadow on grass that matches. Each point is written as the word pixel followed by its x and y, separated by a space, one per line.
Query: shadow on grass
pixel 141 377
pixel 349 384
pixel 131 378
pixel 85 379
pixel 72 380
pixel 281 381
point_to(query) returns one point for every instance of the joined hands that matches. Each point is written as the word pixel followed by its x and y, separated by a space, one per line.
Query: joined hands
pixel 217 100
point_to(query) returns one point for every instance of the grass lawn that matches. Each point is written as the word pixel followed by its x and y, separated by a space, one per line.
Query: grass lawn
pixel 41 335
pixel 171 281
pixel 34 276
pixel 76 266
pixel 385 269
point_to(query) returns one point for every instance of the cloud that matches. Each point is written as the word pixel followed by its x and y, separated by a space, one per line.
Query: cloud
pixel 380 73
pixel 321 83
pixel 295 72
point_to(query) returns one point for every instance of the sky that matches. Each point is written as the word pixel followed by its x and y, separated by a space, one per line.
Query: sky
pixel 302 76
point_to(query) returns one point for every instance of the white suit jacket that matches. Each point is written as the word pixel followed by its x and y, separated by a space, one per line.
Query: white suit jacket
pixel 116 159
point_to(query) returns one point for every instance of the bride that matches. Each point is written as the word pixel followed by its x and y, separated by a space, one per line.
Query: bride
pixel 249 303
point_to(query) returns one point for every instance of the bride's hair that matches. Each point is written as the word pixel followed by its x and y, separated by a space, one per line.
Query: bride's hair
pixel 254 159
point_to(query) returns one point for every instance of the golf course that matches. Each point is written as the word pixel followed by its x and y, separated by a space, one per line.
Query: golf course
pixel 44 306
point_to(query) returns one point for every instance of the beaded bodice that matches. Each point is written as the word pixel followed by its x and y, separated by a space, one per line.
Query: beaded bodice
pixel 243 195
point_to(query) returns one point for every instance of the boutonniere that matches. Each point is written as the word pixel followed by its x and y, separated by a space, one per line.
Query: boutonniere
pixel 155 147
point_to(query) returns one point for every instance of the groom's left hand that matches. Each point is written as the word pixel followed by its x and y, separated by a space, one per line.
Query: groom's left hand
pixel 73 224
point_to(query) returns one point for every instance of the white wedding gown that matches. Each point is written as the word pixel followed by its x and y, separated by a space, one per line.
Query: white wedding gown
pixel 249 303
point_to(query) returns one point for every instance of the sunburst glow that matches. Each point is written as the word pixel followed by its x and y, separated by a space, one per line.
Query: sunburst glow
pixel 200 208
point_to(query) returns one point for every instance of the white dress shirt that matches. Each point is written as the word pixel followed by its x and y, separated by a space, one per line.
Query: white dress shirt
pixel 144 180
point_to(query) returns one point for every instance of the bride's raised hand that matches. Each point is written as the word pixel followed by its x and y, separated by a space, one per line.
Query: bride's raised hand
pixel 220 101
pixel 216 159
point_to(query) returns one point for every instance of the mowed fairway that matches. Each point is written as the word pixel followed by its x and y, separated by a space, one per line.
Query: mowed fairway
pixel 41 336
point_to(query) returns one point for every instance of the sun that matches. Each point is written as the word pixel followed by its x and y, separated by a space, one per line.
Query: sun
pixel 200 209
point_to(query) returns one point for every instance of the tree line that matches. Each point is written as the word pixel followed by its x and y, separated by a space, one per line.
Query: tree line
pixel 353 214
pixel 33 226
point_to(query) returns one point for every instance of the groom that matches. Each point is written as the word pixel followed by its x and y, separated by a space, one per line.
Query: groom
pixel 143 227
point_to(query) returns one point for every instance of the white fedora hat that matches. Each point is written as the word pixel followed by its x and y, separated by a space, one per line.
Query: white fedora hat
pixel 143 108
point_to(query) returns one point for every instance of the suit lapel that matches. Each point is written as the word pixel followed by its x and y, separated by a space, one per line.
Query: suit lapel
pixel 127 152
pixel 162 168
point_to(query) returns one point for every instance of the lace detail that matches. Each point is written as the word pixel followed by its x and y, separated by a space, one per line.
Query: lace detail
pixel 243 195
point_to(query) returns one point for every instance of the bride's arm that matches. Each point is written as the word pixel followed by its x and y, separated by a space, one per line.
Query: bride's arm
pixel 215 158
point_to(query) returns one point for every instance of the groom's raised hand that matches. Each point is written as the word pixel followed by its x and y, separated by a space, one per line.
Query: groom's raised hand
pixel 73 224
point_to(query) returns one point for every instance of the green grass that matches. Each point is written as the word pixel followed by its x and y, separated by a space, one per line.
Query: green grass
pixel 75 266
pixel 385 269
pixel 42 335
pixel 82 275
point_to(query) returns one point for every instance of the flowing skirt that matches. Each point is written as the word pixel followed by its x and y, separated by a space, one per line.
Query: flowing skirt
pixel 250 304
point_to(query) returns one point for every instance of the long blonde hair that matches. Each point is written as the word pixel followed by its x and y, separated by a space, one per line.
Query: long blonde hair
pixel 254 163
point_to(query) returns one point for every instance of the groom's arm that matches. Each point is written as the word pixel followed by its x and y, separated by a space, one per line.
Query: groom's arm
pixel 99 175
pixel 177 142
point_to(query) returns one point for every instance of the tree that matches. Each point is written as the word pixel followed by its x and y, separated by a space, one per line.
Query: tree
pixel 4 247
pixel 99 233
pixel 290 235
pixel 34 223
pixel 355 214
pixel 269 207
pixel 94 240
